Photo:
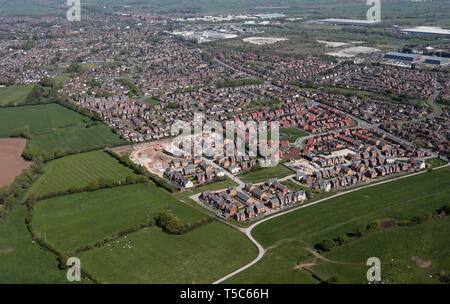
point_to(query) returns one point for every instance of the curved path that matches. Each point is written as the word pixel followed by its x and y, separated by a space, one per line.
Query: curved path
pixel 261 250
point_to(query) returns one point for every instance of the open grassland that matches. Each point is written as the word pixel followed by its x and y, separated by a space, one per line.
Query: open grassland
pixel 76 220
pixel 75 138
pixel 399 200
pixel 293 233
pixel 396 249
pixel 40 118
pixel 78 171
pixel 263 174
pixel 15 94
pixel 200 256
pixel 21 261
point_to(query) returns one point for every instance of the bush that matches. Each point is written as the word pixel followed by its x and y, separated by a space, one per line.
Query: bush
pixel 422 218
pixel 327 245
pixel 174 226
pixel 342 239
pixel 359 232
pixel 374 226
pixel 169 223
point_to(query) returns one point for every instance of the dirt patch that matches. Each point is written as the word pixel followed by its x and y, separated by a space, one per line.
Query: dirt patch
pixel 421 263
pixel 11 161
pixel 353 51
pixel 264 40
pixel 6 251
pixel 152 156
pixel 306 265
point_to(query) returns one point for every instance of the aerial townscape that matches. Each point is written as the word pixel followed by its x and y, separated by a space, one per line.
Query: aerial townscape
pixel 338 151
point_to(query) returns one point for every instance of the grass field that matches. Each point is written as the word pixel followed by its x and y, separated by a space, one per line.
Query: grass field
pixel 78 171
pixel 200 256
pixel 291 134
pixel 72 221
pixel 151 102
pixel 21 261
pixel 75 138
pixel 395 248
pixel 292 233
pixel 15 94
pixel 56 128
pixel 40 118
pixel 263 174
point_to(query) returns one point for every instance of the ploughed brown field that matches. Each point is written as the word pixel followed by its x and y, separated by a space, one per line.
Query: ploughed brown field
pixel 11 161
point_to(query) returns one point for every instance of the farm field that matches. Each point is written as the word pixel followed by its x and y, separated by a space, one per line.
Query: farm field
pixel 200 256
pixel 11 161
pixel 292 233
pixel 75 138
pixel 15 94
pixel 39 118
pixel 21 261
pixel 263 174
pixel 73 221
pixel 78 171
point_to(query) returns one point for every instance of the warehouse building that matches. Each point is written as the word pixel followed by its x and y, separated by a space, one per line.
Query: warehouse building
pixel 441 61
pixel 426 30
pixel 414 58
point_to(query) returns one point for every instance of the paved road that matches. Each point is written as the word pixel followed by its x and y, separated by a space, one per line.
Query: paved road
pixel 261 250
pixel 437 110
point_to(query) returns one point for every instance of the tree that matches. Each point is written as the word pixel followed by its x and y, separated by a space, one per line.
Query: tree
pixel 174 226
pixel 131 179
pixel 4 192
pixel 47 82
pixel 327 245
pixel 32 198
pixel 374 226
pixel 359 232
pixel 341 240
pixel 93 186
pixel 163 218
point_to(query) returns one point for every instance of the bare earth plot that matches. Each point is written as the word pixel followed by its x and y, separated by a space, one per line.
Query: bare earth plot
pixel 11 161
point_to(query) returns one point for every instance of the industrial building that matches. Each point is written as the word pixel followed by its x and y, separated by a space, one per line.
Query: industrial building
pixel 426 30
pixel 441 61
pixel 417 58
pixel 414 58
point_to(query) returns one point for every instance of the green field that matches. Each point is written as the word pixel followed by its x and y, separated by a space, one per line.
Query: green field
pixel 21 261
pixel 292 233
pixel 395 248
pixel 72 221
pixel 76 138
pixel 40 118
pixel 291 134
pixel 15 94
pixel 200 256
pixel 263 174
pixel 78 171
pixel 56 128
pixel 151 102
